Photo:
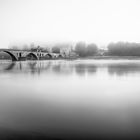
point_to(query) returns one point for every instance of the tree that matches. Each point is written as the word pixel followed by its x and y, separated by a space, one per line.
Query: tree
pixel 80 49
pixel 124 49
pixel 92 49
pixel 14 47
pixel 56 49
pixel 25 47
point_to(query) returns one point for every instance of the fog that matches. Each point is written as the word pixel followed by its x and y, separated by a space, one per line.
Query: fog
pixel 98 21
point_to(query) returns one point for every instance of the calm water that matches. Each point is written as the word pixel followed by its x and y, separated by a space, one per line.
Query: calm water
pixel 68 99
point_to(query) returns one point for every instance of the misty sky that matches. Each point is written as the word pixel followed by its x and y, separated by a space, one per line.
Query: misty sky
pixel 98 21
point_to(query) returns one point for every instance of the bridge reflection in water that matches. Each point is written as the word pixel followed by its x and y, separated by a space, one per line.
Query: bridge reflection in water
pixel 70 67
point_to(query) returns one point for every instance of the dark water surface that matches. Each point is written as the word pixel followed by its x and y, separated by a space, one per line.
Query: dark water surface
pixel 78 99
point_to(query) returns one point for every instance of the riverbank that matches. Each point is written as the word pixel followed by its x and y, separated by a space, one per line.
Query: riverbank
pixel 112 57
pixel 91 57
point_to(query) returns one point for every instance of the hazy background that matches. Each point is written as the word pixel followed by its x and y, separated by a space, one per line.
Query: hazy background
pixel 98 21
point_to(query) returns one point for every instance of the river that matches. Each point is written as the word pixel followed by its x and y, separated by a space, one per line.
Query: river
pixel 70 99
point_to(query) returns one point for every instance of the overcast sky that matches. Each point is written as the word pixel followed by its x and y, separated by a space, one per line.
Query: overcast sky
pixel 98 21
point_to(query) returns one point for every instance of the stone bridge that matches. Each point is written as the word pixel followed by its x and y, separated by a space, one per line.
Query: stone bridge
pixel 17 55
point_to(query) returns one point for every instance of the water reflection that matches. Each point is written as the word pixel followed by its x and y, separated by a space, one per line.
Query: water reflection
pixel 124 68
pixel 82 69
pixel 58 67
pixel 10 66
pixel 70 67
pixel 70 99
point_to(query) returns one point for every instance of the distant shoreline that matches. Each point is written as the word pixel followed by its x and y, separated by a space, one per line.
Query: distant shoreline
pixel 112 57
pixel 91 58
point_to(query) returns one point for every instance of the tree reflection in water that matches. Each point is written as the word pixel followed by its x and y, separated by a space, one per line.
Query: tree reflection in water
pixel 81 69
pixel 70 67
pixel 123 68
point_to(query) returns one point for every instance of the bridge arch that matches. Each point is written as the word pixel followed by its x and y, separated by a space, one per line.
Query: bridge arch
pixel 32 55
pixel 49 55
pixel 14 58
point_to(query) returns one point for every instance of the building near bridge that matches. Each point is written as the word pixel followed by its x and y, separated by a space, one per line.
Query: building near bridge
pixel 68 52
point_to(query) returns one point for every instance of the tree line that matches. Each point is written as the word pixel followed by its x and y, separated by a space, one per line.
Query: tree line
pixel 124 49
pixel 113 49
pixel 84 50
